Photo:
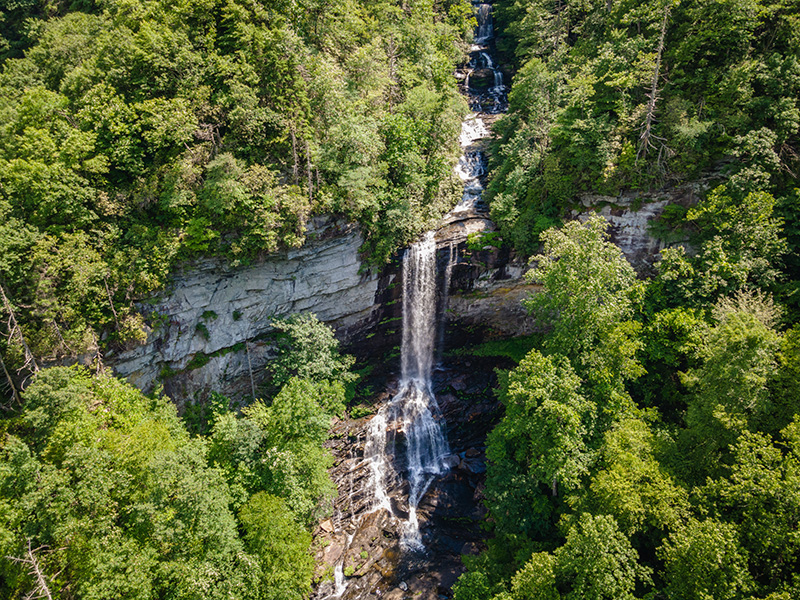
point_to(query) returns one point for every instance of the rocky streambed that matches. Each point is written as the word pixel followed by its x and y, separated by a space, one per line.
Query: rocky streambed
pixel 365 545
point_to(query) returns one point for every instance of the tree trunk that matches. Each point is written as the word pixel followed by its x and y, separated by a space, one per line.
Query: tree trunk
pixel 14 392
pixel 645 139
pixel 34 570
pixel 111 303
pixel 14 331
pixel 295 164
pixel 309 174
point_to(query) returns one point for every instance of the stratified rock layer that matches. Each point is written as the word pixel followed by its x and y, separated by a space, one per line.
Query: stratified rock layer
pixel 216 320
pixel 213 322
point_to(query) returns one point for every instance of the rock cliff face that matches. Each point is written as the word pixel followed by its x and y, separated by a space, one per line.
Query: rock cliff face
pixel 212 324
pixel 487 285
pixel 214 321
pixel 631 214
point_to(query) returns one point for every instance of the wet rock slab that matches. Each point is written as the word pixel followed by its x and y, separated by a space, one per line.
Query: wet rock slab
pixel 367 544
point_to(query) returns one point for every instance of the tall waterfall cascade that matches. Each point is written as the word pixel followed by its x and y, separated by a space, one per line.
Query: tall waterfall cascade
pixel 406 448
pixel 413 411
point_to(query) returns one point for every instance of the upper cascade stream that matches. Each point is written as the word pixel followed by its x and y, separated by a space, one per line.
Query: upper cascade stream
pixel 484 86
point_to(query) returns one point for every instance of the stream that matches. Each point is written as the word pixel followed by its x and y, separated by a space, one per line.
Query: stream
pixel 410 476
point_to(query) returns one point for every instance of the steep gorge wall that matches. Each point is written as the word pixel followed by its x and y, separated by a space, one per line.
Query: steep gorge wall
pixel 488 285
pixel 214 320
pixel 630 215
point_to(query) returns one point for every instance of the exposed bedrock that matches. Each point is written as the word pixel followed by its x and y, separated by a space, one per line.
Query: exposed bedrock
pixel 211 326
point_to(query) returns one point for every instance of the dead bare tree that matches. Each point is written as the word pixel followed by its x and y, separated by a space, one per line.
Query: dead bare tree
pixel 647 136
pixel 295 160
pixel 34 570
pixel 15 334
pixel 14 392
pixel 250 369
pixel 111 301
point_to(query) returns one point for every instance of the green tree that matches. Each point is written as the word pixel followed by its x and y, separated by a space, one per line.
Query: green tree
pixel 597 561
pixel 472 586
pixel 704 560
pixel 292 462
pixel 632 485
pixel 536 580
pixel 123 499
pixel 730 388
pixel 760 496
pixel 540 446
pixel 784 384
pixel 307 349
pixel 672 343
pixel 589 295
pixel 281 546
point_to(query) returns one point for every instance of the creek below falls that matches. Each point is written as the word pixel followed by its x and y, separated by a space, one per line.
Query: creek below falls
pixel 410 475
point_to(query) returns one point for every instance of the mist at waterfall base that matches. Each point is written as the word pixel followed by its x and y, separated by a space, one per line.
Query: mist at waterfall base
pixel 413 411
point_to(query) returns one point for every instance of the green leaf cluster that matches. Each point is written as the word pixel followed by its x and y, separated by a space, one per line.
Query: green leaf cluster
pixel 136 134
pixel 113 497
pixel 647 451
pixel 626 95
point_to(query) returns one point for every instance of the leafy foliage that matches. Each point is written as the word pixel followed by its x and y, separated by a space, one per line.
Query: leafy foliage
pixel 590 293
pixel 120 495
pixel 137 134
pixel 118 500
pixel 597 561
pixel 704 560
pixel 540 443
pixel 629 95
pixel 679 483
pixel 308 350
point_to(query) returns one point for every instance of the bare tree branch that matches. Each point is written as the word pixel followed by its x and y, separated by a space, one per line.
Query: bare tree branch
pixel 14 392
pixel 647 136
pixel 295 160
pixel 15 333
pixel 34 570
pixel 111 302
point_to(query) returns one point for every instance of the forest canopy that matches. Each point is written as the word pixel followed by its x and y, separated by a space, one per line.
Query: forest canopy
pixel 104 492
pixel 649 446
pixel 649 443
pixel 609 97
pixel 134 134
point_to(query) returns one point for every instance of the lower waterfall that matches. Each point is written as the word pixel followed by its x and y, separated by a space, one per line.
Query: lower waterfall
pixel 413 411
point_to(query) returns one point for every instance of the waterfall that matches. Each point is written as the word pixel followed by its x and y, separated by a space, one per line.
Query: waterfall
pixel 419 310
pixel 413 410
pixel 484 100
pixel 485 27
pixel 405 448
